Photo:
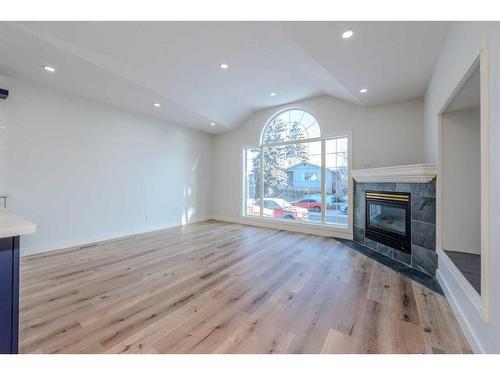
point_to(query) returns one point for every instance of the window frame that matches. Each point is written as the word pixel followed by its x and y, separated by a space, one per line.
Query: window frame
pixel 244 182
pixel 323 224
pixel 288 109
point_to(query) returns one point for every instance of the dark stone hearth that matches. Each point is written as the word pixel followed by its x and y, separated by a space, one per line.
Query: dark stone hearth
pixel 406 270
pixel 371 244
pixel 423 223
pixel 384 249
pixel 401 256
pixel 424 259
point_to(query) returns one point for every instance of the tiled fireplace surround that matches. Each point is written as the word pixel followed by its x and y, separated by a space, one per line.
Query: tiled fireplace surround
pixel 423 222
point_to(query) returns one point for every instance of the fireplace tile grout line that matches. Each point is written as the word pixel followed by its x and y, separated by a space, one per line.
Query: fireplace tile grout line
pixel 423 222
pixel 400 267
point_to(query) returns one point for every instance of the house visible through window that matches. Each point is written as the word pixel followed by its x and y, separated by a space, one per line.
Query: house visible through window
pixel 295 174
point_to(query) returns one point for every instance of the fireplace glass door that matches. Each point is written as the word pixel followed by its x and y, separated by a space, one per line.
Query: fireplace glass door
pixel 388 219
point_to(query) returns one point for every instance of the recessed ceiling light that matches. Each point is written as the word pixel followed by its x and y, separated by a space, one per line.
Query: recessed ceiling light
pixel 347 34
pixel 49 68
pixel 272 94
pixel 156 105
pixel 224 66
pixel 363 91
pixel 212 124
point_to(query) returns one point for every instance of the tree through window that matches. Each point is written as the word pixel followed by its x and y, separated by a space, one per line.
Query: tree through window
pixel 290 125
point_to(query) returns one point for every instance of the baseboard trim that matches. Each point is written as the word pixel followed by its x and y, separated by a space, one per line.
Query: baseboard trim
pixel 469 291
pixel 313 229
pixel 64 245
pixel 462 320
pixel 75 243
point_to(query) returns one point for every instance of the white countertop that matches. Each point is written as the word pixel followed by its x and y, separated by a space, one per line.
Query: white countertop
pixel 12 225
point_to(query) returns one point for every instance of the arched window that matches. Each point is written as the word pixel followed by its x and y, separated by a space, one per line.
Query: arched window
pixel 290 125
pixel 295 174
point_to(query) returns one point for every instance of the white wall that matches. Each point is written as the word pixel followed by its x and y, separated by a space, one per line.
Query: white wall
pixel 84 171
pixel 386 135
pixel 461 48
pixel 461 179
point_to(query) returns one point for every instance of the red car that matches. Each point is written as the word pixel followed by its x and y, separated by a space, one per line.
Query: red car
pixel 281 209
pixel 310 204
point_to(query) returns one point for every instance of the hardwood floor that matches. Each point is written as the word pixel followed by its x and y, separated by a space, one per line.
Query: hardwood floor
pixel 216 287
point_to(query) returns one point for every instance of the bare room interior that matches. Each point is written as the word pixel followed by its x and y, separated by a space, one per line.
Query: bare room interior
pixel 251 187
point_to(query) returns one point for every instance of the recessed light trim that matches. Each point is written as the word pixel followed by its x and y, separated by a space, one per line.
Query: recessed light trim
pixel 212 124
pixel 157 105
pixel 347 34
pixel 272 94
pixel 48 68
pixel 363 91
pixel 224 66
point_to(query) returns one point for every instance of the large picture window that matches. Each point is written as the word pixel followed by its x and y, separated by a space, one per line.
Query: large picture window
pixel 295 174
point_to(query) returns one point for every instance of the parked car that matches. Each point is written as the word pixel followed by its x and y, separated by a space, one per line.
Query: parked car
pixel 310 204
pixel 329 199
pixel 313 203
pixel 281 209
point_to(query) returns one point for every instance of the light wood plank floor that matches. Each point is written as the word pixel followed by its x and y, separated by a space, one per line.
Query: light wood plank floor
pixel 215 287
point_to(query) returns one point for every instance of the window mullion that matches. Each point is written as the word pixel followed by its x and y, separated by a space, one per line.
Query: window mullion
pixel 245 182
pixel 323 181
pixel 261 201
pixel 305 140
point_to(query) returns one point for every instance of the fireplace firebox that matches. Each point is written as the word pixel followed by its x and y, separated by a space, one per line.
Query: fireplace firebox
pixel 388 216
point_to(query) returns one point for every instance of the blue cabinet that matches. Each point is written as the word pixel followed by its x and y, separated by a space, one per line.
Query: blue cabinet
pixel 9 294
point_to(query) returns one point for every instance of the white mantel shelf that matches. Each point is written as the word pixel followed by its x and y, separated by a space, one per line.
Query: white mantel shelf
pixel 413 173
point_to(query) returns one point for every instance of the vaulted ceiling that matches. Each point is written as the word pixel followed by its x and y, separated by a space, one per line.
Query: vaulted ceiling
pixel 177 64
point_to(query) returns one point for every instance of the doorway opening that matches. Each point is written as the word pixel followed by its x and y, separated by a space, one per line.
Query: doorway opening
pixel 461 179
